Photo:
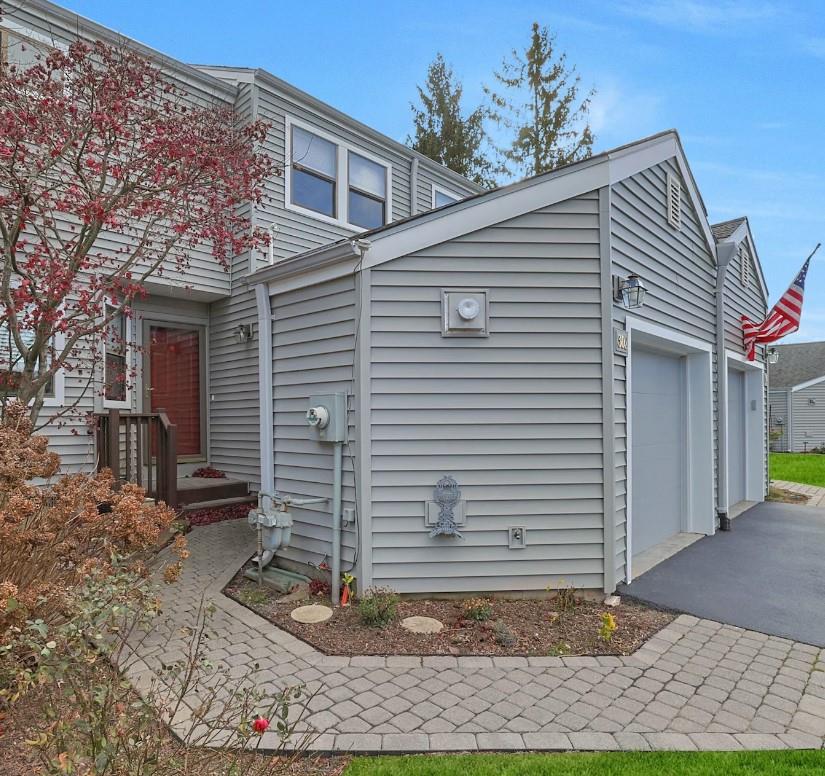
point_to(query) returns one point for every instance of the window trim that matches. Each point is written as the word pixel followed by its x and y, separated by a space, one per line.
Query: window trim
pixel 114 404
pixel 436 189
pixel 342 177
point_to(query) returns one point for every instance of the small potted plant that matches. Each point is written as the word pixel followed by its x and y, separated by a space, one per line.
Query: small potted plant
pixel 346 590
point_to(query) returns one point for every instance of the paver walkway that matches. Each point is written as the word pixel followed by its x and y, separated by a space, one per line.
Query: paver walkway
pixel 816 495
pixel 697 684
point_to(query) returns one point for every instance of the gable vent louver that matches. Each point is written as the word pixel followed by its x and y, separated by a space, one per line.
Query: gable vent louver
pixel 744 267
pixel 674 201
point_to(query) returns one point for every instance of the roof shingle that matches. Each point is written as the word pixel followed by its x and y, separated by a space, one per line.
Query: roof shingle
pixel 725 229
pixel 797 364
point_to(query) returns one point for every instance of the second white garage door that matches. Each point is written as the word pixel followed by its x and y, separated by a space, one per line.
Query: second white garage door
pixel 658 447
pixel 737 447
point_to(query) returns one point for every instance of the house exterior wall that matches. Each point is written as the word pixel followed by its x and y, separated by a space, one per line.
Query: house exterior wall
pixel 679 273
pixel 515 417
pixel 808 418
pixel 313 352
pixel 741 300
pixel 779 408
pixel 234 409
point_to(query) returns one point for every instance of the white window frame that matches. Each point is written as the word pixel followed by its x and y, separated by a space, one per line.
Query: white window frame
pixel 341 177
pixel 126 403
pixel 59 379
pixel 436 189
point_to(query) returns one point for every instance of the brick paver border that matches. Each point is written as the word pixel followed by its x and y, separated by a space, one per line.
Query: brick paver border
pixel 695 685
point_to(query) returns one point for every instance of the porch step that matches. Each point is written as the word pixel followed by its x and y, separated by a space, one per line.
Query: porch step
pixel 219 502
pixel 197 489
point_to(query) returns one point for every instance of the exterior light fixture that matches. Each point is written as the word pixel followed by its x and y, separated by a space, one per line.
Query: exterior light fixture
pixel 243 333
pixel 630 291
pixel 773 355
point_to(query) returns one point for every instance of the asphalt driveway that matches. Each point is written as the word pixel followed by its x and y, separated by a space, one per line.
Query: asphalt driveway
pixel 767 574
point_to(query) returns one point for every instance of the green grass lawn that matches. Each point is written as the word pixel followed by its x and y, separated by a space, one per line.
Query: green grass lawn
pixel 798 763
pixel 806 468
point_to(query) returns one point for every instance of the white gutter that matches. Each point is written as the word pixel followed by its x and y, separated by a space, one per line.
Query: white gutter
pixel 265 396
pixel 724 254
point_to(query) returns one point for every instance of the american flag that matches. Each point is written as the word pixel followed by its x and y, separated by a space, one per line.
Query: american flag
pixel 783 319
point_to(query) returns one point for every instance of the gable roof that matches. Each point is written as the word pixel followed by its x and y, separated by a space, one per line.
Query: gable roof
pixel 726 228
pixel 479 211
pixel 798 363
pixel 734 232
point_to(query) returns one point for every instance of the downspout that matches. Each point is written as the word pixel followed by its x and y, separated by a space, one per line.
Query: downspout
pixel 266 406
pixel 337 487
pixel 724 253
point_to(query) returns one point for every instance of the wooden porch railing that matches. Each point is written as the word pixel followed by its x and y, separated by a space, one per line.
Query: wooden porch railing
pixel 140 448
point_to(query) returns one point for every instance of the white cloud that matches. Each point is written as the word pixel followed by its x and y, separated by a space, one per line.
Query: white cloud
pixel 619 114
pixel 720 16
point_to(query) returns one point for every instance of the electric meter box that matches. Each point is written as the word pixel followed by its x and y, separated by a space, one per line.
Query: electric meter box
pixel 333 425
pixel 464 312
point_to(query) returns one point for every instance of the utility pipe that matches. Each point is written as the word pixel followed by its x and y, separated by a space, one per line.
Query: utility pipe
pixel 337 487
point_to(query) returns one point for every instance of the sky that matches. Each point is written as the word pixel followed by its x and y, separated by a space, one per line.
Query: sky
pixel 742 81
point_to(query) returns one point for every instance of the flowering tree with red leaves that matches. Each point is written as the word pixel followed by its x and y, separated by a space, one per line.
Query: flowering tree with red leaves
pixel 97 146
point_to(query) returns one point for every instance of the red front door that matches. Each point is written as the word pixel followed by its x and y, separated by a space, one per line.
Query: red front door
pixel 175 376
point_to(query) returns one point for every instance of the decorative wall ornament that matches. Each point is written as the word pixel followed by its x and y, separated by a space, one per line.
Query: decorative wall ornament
pixel 447 495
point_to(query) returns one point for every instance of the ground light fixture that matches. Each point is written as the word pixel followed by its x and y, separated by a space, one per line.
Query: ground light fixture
pixel 630 291
pixel 773 355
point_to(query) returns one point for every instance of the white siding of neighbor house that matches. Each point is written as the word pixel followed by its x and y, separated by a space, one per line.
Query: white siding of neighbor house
pixel 515 418
pixel 679 273
pixel 808 418
pixel 313 352
pixel 779 409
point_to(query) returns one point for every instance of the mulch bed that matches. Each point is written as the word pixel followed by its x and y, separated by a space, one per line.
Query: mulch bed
pixel 786 496
pixel 536 626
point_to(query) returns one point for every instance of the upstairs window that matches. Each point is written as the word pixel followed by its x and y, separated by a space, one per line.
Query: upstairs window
pixel 443 197
pixel 17 50
pixel 367 200
pixel 314 172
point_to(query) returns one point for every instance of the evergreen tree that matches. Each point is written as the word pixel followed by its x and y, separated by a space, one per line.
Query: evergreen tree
pixel 441 131
pixel 539 103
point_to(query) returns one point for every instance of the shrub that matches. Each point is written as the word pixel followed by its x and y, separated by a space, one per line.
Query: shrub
pixel 565 598
pixel 478 609
pixel 319 588
pixel 378 607
pixel 559 649
pixel 608 627
pixel 503 635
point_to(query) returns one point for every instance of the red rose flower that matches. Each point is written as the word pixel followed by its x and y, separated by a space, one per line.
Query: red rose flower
pixel 260 724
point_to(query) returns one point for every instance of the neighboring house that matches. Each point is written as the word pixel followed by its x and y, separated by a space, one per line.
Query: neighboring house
pixel 483 339
pixel 797 398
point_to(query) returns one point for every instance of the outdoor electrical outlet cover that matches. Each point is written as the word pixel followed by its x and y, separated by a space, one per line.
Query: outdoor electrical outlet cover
pixel 518 537
pixel 348 516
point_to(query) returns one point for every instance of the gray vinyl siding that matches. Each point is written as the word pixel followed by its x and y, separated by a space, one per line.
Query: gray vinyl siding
pixel 679 273
pixel 779 409
pixel 515 418
pixel 430 176
pixel 313 351
pixel 740 300
pixel 808 418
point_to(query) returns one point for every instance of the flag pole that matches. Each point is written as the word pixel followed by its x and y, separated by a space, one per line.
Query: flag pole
pixel 813 252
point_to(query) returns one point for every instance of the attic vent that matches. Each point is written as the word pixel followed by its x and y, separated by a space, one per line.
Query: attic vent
pixel 744 267
pixel 674 201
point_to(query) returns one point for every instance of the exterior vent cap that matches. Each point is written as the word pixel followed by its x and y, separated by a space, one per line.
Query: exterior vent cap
pixel 744 267
pixel 674 201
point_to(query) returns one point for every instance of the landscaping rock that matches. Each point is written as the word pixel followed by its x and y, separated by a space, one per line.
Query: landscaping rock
pixel 299 592
pixel 313 613
pixel 422 625
pixel 612 600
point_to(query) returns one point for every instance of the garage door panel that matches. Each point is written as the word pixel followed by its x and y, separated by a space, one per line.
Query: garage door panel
pixel 737 455
pixel 658 440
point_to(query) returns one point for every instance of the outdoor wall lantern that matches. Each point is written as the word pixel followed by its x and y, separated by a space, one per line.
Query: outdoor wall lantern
pixel 630 291
pixel 243 333
pixel 773 355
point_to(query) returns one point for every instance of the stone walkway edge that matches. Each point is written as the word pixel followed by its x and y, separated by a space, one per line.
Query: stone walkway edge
pixel 695 685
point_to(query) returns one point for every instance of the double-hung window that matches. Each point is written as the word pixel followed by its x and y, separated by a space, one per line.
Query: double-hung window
pixel 116 362
pixel 314 173
pixel 11 365
pixel 367 192
pixel 443 197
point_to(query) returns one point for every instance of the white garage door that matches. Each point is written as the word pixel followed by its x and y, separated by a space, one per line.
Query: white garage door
pixel 658 447
pixel 737 455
